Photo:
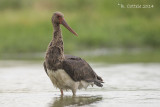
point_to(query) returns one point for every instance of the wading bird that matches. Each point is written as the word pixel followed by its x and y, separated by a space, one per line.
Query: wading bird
pixel 67 72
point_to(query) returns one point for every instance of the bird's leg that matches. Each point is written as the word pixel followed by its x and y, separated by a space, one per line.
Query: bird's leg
pixel 75 87
pixel 61 92
pixel 74 92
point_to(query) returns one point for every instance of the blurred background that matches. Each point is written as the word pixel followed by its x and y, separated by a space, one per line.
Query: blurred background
pixel 107 32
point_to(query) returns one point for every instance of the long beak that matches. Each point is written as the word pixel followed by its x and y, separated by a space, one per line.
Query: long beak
pixel 64 23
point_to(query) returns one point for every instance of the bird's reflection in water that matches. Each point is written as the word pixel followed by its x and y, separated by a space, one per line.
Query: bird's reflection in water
pixel 74 101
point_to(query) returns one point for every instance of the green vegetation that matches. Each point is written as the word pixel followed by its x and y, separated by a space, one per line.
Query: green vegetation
pixel 25 26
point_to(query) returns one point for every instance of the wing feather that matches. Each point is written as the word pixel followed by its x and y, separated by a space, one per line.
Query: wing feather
pixel 78 69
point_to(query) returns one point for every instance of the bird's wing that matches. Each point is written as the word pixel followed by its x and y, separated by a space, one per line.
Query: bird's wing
pixel 78 69
pixel 45 68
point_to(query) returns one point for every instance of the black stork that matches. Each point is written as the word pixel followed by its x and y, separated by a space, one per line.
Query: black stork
pixel 67 72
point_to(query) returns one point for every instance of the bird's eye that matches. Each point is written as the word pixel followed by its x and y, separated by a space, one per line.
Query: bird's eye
pixel 59 16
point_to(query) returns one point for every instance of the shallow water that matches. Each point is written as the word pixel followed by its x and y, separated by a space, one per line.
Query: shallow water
pixel 25 84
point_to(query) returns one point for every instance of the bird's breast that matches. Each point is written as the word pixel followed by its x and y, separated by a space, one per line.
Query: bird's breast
pixel 60 79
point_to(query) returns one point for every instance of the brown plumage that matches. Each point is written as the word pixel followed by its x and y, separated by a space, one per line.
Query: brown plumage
pixel 67 71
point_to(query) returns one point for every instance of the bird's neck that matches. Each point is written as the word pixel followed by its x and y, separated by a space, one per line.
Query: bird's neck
pixel 55 53
pixel 57 40
pixel 57 35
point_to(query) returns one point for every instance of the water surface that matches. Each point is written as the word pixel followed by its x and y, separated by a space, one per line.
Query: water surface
pixel 25 84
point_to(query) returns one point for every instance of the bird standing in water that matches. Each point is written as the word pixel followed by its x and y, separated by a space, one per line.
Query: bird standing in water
pixel 67 72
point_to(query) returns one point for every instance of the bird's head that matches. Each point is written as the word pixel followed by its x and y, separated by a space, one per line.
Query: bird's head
pixel 58 18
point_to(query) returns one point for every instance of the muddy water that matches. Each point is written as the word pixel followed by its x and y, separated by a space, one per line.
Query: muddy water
pixel 25 84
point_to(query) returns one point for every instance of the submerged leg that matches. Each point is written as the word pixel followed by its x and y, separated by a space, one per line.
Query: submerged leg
pixel 61 92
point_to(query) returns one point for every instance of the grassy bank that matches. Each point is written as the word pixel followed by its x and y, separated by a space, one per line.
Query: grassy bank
pixel 124 56
pixel 143 57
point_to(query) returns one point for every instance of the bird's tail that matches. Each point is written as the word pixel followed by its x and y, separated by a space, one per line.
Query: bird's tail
pixel 98 83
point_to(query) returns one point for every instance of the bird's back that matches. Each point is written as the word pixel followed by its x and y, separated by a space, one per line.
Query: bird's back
pixel 78 69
